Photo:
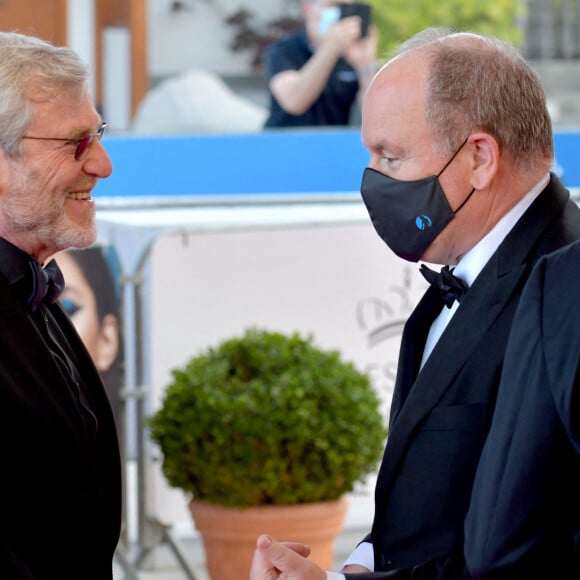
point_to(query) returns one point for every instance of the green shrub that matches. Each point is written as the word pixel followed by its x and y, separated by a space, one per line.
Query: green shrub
pixel 268 419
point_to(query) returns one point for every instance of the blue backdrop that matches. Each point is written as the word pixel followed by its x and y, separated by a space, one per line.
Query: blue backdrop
pixel 285 162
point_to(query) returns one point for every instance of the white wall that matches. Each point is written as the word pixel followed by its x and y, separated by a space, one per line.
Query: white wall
pixel 193 37
pixel 80 30
pixel 196 37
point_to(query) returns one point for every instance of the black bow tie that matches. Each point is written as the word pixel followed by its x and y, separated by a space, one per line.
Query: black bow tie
pixel 450 287
pixel 47 283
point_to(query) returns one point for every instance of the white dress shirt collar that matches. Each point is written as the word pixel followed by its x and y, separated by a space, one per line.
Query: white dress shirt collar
pixel 473 262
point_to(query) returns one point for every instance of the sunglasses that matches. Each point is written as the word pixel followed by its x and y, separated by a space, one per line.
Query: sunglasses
pixel 81 144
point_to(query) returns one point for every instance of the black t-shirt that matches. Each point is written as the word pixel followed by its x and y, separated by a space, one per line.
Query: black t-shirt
pixel 334 104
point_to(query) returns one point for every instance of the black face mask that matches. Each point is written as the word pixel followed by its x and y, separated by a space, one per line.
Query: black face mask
pixel 408 215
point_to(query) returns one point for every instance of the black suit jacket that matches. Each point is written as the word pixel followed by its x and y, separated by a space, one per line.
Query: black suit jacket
pixel 524 519
pixel 60 488
pixel 441 416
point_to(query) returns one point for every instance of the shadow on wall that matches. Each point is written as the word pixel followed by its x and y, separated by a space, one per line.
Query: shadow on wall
pixel 196 102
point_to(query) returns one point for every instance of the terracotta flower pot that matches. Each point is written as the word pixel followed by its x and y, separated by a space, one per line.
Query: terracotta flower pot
pixel 229 534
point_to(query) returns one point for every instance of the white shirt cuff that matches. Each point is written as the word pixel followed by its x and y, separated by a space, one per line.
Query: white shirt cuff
pixel 335 576
pixel 363 555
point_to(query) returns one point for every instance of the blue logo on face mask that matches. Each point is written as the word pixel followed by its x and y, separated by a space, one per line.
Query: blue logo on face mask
pixel 423 222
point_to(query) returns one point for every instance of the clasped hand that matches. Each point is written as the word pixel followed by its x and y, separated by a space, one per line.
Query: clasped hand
pixel 275 560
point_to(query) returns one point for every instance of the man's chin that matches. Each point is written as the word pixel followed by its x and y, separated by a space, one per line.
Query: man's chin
pixel 79 237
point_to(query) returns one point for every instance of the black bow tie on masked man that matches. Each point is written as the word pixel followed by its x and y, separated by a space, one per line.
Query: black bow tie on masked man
pixel 459 175
pixel 61 475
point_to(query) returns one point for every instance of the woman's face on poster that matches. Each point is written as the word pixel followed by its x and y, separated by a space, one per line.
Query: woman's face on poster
pixel 101 337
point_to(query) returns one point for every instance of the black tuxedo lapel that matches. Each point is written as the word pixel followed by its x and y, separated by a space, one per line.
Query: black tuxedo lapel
pixel 412 345
pixel 456 345
pixel 449 355
pixel 27 346
pixel 79 351
pixel 95 390
pixel 34 365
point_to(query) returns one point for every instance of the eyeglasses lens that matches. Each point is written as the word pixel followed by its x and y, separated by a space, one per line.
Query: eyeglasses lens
pixel 83 145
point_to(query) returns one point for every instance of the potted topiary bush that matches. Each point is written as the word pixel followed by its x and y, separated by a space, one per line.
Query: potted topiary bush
pixel 267 422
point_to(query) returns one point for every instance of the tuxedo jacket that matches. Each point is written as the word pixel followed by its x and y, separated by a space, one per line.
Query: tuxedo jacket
pixel 441 415
pixel 60 488
pixel 524 519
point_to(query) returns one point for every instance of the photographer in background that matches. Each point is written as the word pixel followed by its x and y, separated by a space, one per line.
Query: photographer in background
pixel 316 76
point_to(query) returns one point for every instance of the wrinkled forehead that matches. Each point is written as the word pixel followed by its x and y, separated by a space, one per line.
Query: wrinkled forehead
pixel 43 89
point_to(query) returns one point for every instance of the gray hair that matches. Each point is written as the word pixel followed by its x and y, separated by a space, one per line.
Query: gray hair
pixel 482 83
pixel 26 62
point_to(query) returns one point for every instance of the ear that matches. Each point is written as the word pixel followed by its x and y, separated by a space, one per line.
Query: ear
pixel 107 343
pixel 485 158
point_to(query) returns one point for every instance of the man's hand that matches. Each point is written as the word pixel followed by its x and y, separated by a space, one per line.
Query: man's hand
pixel 362 53
pixel 283 561
pixel 342 34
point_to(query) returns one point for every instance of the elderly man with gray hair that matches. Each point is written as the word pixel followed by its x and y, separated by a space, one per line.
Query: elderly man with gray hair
pixel 60 489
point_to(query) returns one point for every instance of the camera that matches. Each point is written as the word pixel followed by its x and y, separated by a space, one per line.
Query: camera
pixel 334 13
pixel 357 9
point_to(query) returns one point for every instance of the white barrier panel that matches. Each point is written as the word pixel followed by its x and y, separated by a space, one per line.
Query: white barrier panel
pixel 339 283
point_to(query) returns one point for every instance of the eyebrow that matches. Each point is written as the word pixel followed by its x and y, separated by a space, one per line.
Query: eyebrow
pixel 84 132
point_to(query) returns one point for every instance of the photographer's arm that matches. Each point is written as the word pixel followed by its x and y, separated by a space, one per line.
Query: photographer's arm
pixel 297 90
pixel 362 56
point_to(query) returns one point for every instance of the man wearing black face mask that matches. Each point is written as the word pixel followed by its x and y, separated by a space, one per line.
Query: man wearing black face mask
pixel 461 147
pixel 408 215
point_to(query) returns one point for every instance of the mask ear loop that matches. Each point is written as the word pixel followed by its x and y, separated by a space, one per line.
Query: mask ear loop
pixel 453 157
pixel 465 200
pixel 447 165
